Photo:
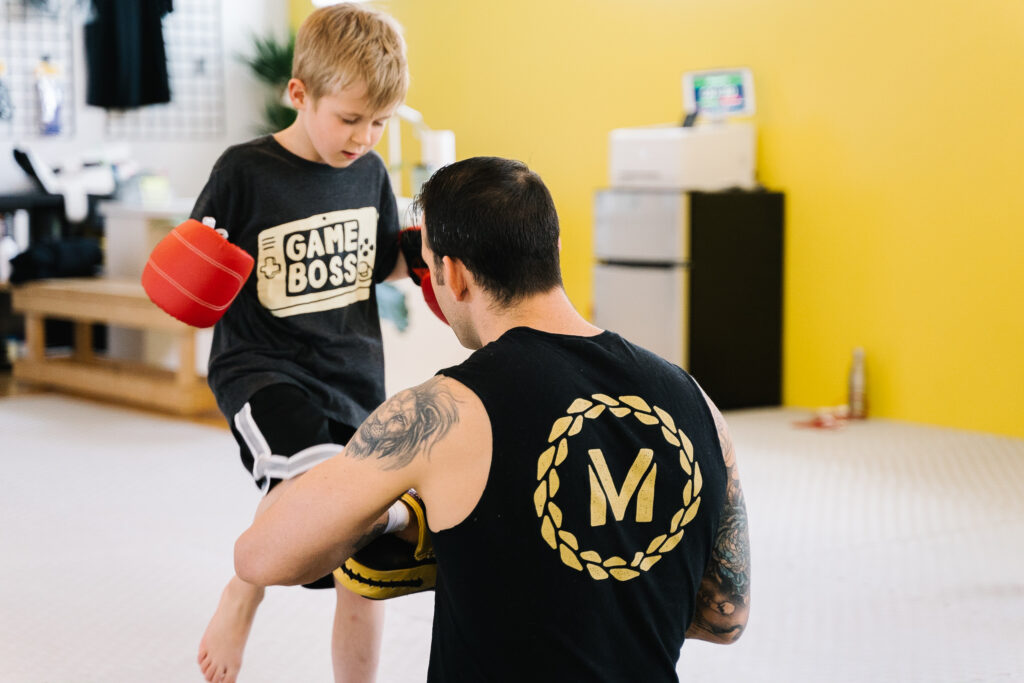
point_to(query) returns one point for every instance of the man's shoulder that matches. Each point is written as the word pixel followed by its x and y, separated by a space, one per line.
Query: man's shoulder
pixel 448 401
pixel 451 385
pixel 479 359
pixel 429 412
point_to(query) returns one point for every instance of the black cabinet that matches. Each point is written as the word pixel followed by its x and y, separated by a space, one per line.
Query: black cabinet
pixel 736 279
pixel 697 278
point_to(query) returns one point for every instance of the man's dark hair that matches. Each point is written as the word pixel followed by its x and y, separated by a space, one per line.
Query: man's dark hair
pixel 497 217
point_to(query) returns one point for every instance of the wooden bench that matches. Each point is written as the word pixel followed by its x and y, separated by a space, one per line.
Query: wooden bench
pixel 123 303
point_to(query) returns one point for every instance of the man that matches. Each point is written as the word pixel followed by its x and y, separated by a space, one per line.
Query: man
pixel 583 497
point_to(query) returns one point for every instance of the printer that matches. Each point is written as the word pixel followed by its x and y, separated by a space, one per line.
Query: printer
pixel 716 154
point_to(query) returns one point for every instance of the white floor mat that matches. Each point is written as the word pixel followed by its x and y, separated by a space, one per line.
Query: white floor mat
pixel 882 552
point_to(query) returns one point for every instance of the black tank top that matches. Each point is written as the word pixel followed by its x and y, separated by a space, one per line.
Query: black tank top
pixel 582 558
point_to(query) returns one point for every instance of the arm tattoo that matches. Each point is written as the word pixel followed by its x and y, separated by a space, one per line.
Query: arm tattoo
pixel 725 588
pixel 728 454
pixel 409 423
pixel 372 535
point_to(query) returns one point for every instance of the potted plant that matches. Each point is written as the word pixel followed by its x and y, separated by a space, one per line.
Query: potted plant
pixel 271 63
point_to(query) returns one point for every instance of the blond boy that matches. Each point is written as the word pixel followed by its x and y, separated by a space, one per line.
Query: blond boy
pixel 297 361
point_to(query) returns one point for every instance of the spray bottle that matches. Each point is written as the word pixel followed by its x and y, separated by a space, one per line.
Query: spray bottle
pixel 858 392
pixel 51 96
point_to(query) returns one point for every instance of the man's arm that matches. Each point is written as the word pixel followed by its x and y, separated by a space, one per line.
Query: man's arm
pixel 723 600
pixel 331 511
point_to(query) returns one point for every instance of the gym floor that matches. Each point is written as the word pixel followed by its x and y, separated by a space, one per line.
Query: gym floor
pixel 883 551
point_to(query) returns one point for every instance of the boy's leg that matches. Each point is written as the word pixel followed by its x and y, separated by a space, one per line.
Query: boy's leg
pixel 223 642
pixel 356 641
pixel 281 434
pixel 220 650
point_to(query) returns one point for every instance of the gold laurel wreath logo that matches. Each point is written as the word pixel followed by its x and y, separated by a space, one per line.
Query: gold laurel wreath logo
pixel 550 514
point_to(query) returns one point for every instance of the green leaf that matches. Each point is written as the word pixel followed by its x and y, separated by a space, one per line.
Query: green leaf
pixel 271 61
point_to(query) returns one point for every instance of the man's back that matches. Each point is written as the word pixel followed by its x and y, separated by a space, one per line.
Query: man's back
pixel 583 493
pixel 597 521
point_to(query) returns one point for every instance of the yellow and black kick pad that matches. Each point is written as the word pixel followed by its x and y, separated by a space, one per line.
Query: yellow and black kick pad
pixel 389 567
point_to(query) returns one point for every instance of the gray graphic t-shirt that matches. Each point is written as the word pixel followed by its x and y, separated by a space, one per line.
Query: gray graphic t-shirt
pixel 321 237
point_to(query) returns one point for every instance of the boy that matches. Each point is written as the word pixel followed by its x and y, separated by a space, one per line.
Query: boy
pixel 297 361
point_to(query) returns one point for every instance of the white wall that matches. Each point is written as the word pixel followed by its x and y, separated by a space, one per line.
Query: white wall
pixel 186 164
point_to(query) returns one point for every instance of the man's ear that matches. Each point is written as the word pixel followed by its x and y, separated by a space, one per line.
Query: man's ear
pixel 297 94
pixel 456 277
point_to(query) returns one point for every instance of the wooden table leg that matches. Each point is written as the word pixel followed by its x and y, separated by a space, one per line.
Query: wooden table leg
pixel 35 337
pixel 186 374
pixel 83 341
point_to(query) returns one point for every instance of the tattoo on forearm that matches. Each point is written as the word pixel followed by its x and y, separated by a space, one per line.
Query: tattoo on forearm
pixel 725 588
pixel 373 534
pixel 410 423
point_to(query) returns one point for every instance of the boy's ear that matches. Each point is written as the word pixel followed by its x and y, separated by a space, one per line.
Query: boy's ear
pixel 298 94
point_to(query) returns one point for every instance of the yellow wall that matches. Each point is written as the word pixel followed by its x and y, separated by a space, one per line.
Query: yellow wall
pixel 894 129
pixel 298 10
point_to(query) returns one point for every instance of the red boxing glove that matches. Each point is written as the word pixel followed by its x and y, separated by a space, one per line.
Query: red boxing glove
pixel 194 274
pixel 410 240
pixel 427 287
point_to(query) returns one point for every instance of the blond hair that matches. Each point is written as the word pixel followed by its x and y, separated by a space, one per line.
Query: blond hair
pixel 346 44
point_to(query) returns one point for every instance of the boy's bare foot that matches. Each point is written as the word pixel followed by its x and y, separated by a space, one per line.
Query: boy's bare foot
pixel 220 650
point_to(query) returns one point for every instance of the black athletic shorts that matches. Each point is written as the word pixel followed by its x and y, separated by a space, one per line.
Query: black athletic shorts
pixel 282 433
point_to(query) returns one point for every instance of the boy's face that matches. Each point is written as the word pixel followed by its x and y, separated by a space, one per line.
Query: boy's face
pixel 340 127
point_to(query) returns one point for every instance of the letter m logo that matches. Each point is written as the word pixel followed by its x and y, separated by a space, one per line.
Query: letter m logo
pixel 604 493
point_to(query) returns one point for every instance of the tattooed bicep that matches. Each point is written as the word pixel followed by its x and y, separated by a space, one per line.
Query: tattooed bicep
pixel 406 425
pixel 724 440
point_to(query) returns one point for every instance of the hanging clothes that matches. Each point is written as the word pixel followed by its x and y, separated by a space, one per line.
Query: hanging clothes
pixel 125 55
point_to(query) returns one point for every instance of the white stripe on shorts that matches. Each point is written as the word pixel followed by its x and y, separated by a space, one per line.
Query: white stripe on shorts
pixel 286 467
pixel 266 464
